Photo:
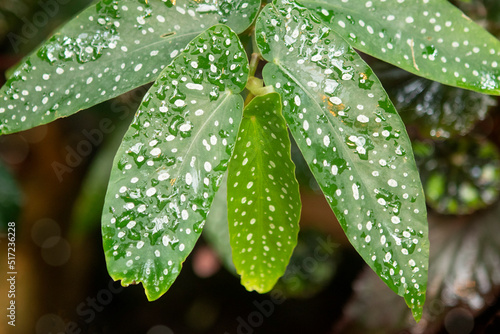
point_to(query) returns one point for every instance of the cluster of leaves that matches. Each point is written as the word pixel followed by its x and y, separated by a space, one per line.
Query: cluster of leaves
pixel 193 124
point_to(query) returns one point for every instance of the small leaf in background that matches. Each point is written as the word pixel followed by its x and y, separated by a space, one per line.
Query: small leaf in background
pixel 432 39
pixel 437 110
pixel 299 281
pixel 302 172
pixel 354 142
pixel 10 198
pixel 216 231
pixel 460 175
pixel 110 48
pixel 87 210
pixel 171 161
pixel 465 262
pixel 262 195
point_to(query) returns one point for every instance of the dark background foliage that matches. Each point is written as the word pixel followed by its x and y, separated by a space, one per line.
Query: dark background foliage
pixel 52 184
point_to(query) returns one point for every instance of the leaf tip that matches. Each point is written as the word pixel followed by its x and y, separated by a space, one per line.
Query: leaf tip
pixel 257 285
pixel 152 294
pixel 416 304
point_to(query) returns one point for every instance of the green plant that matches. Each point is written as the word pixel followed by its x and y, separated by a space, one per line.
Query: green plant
pixel 194 124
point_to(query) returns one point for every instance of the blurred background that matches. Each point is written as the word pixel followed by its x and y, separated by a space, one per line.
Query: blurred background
pixel 53 180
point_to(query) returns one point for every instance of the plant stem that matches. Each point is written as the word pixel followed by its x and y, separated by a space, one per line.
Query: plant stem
pixel 254 63
pixel 249 98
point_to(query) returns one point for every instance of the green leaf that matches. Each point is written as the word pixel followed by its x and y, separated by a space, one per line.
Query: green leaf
pixel 110 48
pixel 10 198
pixel 432 39
pixel 216 231
pixel 461 175
pixel 373 309
pixel 354 142
pixel 171 162
pixel 263 196
pixel 299 280
pixel 87 207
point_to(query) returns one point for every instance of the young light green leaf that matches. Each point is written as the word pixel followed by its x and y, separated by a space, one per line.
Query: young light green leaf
pixel 262 195
pixel 432 39
pixel 354 142
pixel 110 48
pixel 171 161
pixel 87 207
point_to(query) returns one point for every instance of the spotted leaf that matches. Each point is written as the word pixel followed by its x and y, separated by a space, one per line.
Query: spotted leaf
pixel 354 142
pixel 432 39
pixel 110 48
pixel 262 195
pixel 171 161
